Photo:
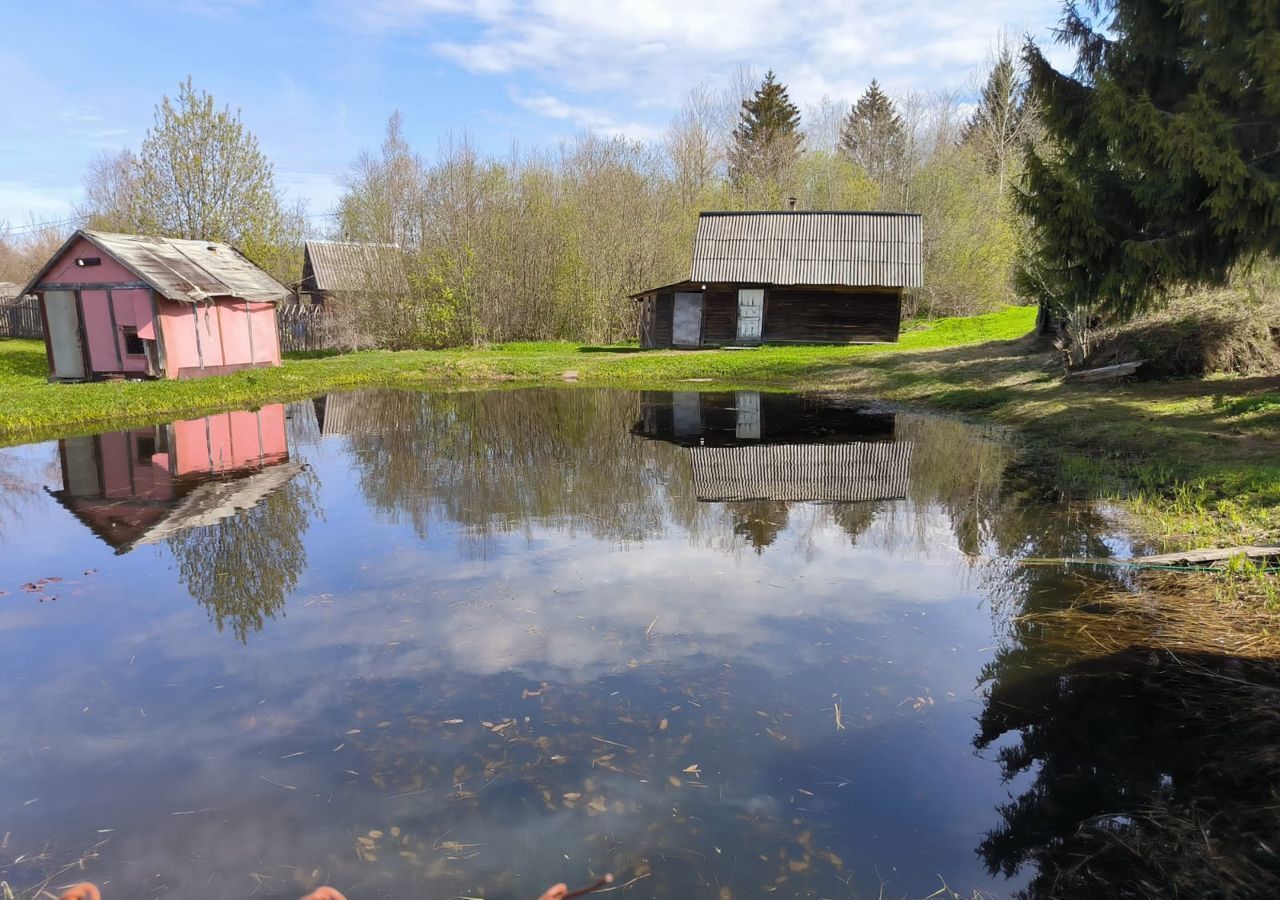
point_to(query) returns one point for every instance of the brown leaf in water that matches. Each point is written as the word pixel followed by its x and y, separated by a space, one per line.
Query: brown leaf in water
pixel 674 781
pixel 453 722
pixel 662 726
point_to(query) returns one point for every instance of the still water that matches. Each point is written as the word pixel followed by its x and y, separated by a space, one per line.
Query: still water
pixel 470 644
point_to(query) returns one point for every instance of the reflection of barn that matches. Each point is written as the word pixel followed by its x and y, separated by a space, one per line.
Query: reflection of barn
pixel 144 485
pixel 753 446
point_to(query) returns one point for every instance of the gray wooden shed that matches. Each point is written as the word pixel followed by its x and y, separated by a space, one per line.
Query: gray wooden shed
pixel 788 277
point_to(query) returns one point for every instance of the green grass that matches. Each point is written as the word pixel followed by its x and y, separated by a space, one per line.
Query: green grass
pixel 30 407
pixel 1196 460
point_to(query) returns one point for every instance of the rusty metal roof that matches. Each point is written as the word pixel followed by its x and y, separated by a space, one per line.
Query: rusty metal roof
pixel 180 269
pixel 343 266
pixel 855 249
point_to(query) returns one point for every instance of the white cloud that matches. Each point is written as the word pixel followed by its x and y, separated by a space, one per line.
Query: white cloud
pixel 647 53
pixel 585 117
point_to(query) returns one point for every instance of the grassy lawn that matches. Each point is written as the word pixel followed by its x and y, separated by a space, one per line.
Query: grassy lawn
pixel 31 408
pixel 1198 460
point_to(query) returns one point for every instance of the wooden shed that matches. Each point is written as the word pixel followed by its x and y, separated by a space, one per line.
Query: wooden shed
pixel 332 269
pixel 788 277
pixel 125 305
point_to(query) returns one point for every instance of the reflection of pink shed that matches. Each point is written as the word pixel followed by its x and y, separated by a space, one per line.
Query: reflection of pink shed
pixel 128 305
pixel 141 486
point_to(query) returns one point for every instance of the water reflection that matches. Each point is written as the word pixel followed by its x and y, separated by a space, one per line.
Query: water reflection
pixel 220 492
pixel 531 635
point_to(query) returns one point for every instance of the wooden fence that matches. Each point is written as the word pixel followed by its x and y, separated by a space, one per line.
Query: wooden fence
pixel 303 328
pixel 21 319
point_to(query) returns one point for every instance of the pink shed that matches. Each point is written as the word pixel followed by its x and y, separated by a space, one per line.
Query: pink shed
pixel 118 306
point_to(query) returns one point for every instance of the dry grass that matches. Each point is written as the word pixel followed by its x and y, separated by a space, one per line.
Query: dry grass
pixel 1181 612
pixel 1230 331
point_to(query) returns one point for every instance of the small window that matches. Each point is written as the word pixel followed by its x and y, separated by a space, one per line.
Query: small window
pixel 146 449
pixel 132 343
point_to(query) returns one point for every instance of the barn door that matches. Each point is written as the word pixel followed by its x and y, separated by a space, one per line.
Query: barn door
pixel 64 334
pixel 750 314
pixel 686 322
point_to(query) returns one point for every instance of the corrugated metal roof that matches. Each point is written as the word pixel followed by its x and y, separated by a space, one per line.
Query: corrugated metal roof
pixel 855 249
pixel 180 269
pixel 338 266
pixel 804 472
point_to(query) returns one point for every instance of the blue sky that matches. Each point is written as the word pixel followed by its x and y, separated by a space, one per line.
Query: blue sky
pixel 316 79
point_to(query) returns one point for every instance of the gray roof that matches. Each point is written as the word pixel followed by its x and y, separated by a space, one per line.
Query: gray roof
pixel 853 472
pixel 339 266
pixel 181 269
pixel 855 249
pixel 9 290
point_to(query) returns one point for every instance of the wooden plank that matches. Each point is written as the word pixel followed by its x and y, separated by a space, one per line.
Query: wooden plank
pixel 1119 370
pixel 1208 556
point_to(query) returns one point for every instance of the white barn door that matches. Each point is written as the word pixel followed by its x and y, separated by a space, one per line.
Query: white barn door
pixel 750 314
pixel 64 334
pixel 686 322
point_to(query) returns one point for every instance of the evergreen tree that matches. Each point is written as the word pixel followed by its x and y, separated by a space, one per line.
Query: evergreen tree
pixel 1004 119
pixel 874 137
pixel 1164 159
pixel 766 142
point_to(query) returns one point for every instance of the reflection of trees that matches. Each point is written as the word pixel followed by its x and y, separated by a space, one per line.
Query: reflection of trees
pixel 759 522
pixel 242 567
pixel 496 461
pixel 19 485
pixel 1155 775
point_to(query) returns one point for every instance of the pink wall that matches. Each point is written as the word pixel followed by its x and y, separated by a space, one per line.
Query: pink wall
pixel 234 323
pixel 229 336
pixel 117 460
pixel 97 326
pixel 266 340
pixel 65 269
pixel 234 440
pixel 177 326
pixel 275 441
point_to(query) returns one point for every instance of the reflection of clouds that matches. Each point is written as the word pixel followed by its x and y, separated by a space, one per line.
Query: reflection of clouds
pixel 388 623
pixel 552 611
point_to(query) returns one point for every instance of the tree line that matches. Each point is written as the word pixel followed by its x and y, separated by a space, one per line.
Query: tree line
pixel 1153 165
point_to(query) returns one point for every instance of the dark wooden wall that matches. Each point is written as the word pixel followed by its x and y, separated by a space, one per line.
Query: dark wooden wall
pixel 719 316
pixel 831 315
pixel 791 315
pixel 655 319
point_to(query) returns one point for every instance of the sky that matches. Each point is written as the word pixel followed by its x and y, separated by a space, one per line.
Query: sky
pixel 316 79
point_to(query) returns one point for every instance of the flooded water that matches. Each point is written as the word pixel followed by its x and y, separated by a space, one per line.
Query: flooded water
pixel 471 644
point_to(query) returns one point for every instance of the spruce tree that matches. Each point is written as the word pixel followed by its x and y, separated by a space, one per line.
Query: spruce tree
pixel 1163 164
pixel 766 142
pixel 1004 120
pixel 874 137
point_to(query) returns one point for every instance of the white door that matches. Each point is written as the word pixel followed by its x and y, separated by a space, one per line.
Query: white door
pixel 748 418
pixel 64 334
pixel 750 314
pixel 686 320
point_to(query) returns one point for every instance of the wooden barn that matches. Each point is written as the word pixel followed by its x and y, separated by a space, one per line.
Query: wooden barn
pixel 788 277
pixel 332 269
pixel 125 305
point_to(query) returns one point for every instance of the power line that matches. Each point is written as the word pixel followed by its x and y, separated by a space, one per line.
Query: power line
pixel 41 226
